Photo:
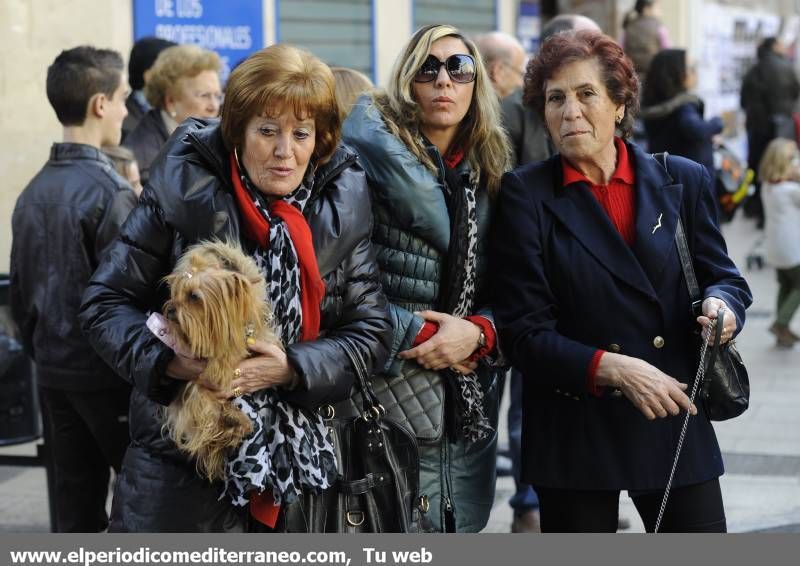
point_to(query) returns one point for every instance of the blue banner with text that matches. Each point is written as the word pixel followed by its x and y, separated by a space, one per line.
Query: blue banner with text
pixel 232 28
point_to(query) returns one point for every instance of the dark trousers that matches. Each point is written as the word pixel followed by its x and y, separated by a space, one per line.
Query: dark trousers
pixel 524 498
pixel 690 509
pixel 788 294
pixel 87 434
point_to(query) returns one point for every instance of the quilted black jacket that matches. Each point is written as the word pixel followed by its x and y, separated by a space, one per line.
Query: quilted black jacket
pixel 63 223
pixel 189 198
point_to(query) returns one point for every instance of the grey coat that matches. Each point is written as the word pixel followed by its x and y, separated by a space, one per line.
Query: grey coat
pixel 411 237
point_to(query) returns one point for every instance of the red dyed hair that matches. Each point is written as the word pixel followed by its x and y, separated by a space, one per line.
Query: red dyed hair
pixel 281 76
pixel 619 76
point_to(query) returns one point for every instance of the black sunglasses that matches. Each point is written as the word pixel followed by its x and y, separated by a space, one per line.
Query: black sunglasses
pixel 461 69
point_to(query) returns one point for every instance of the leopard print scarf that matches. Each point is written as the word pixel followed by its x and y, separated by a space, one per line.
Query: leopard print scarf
pixel 465 392
pixel 289 449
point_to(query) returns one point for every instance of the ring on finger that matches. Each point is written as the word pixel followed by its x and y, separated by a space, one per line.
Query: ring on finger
pixel 237 391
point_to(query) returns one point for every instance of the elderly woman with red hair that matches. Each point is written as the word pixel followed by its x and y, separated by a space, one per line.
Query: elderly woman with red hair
pixel 271 176
pixel 591 304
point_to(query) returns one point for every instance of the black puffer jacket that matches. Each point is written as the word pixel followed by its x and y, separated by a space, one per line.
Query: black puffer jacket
pixel 189 198
pixel 64 222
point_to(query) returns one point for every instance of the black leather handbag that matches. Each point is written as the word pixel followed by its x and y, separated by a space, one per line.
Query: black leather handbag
pixel 378 462
pixel 725 389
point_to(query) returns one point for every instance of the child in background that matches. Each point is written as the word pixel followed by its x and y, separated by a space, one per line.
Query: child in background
pixel 780 175
pixel 125 163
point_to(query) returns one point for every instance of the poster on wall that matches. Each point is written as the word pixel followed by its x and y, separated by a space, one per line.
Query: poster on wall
pixel 529 25
pixel 730 38
pixel 234 28
pixel 728 49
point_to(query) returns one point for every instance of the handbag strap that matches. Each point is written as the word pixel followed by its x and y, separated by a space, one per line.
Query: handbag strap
pixel 686 265
pixel 371 406
pixel 688 269
pixel 712 357
pixel 683 248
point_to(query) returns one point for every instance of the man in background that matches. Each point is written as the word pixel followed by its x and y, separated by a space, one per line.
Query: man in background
pixel 505 60
pixel 770 90
pixel 525 129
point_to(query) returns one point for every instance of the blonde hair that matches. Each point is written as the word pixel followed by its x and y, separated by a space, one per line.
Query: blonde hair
pixel 480 134
pixel 282 76
pixel 177 62
pixel 776 164
pixel 350 84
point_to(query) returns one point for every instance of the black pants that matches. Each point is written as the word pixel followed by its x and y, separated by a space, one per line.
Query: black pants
pixel 87 434
pixel 690 509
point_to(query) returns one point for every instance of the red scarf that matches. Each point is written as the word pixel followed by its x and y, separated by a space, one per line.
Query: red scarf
pixel 256 227
pixel 453 158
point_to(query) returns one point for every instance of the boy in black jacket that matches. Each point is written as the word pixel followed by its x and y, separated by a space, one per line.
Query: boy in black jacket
pixel 63 222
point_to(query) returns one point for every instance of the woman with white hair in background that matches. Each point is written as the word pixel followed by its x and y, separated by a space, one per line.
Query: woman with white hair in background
pixel 183 82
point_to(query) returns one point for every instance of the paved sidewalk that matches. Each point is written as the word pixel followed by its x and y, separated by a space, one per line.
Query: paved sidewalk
pixel 761 449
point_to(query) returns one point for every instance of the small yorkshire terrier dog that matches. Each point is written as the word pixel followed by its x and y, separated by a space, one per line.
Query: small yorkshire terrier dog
pixel 217 307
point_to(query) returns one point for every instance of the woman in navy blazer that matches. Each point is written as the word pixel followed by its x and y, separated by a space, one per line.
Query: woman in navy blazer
pixel 591 304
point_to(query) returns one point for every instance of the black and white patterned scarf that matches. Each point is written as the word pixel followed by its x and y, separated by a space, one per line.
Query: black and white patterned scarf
pixel 289 449
pixel 458 297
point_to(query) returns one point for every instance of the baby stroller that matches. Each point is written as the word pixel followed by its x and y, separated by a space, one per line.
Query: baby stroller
pixel 734 185
pixel 734 181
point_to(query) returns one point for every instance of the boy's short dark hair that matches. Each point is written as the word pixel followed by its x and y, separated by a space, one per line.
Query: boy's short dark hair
pixel 78 74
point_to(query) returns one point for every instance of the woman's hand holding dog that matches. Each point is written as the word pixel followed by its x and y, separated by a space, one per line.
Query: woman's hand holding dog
pixel 268 368
pixel 189 369
pixel 185 368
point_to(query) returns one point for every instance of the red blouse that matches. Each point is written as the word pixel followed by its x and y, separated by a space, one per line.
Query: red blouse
pixel 618 197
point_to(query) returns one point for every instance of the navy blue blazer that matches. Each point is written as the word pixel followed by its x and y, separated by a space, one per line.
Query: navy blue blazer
pixel 566 284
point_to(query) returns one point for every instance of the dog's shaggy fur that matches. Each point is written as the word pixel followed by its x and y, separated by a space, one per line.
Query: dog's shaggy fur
pixel 218 301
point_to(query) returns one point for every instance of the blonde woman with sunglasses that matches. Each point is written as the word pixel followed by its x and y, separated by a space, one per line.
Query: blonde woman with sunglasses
pixel 434 151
